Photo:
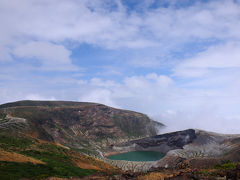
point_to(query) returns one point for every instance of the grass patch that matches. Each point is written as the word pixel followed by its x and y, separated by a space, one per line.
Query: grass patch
pixel 228 165
pixel 208 173
pixel 49 156
pixel 59 162
pixel 87 151
pixel 52 148
pixel 60 165
pixel 205 172
pixel 8 142
pixel 13 170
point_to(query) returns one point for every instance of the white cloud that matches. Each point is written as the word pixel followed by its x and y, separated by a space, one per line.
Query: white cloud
pixel 142 93
pixel 53 23
pixel 159 96
pixel 161 80
pixel 204 87
pixel 45 51
pixel 5 54
pixel 51 56
pixel 80 21
pixel 145 62
pixel 101 83
pixel 215 19
pixel 96 23
pixel 100 96
pixel 215 57
pixel 179 107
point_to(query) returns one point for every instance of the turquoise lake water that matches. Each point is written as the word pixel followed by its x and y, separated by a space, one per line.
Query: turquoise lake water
pixel 138 156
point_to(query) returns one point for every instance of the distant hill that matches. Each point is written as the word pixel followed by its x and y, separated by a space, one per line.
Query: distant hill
pixel 45 103
pixel 81 125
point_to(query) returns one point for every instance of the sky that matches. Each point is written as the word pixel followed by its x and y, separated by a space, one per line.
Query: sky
pixel 176 61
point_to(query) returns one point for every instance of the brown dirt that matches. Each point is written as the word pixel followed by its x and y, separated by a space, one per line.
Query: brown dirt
pixel 56 178
pixel 113 153
pixel 85 165
pixel 91 177
pixel 87 162
pixel 60 145
pixel 152 176
pixel 15 157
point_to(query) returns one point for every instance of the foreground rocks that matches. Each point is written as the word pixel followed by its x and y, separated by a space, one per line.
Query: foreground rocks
pixel 184 174
pixel 176 174
pixel 132 166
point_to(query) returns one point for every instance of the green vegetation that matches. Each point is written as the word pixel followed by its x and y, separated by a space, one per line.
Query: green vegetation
pixel 87 151
pixel 8 142
pixel 44 103
pixel 228 165
pixel 52 148
pixel 218 169
pixel 57 159
pixel 205 172
pixel 209 173
pixel 13 170
pixel 131 125
pixel 59 162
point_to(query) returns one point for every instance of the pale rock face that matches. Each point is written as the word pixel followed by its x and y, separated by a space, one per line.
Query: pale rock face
pixel 11 123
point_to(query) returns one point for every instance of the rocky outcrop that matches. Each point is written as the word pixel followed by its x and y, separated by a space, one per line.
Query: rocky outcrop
pixel 206 150
pixel 9 123
pixel 192 147
pixel 161 143
pixel 166 142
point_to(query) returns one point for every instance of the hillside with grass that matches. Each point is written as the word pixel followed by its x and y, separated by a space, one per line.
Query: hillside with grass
pixel 89 127
pixel 28 157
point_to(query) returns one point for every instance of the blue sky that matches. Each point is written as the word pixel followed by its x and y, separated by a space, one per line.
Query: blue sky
pixel 177 61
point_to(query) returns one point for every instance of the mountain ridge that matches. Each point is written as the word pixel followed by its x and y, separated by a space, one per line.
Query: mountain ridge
pixel 77 124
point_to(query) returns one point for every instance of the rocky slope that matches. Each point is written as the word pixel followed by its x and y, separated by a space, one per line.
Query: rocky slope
pixel 189 148
pixel 89 127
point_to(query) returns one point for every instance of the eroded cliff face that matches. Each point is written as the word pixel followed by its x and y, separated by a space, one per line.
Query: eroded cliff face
pixel 160 143
pixel 88 126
